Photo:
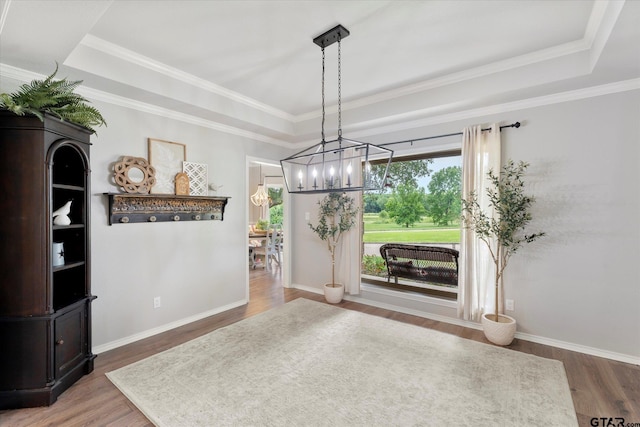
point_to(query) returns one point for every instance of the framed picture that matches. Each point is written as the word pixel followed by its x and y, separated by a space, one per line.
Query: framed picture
pixel 166 157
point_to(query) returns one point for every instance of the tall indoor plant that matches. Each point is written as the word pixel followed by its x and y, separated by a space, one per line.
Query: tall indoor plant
pixel 336 215
pixel 503 232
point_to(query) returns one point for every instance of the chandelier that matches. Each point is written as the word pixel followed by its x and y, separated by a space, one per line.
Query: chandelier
pixel 340 164
pixel 260 197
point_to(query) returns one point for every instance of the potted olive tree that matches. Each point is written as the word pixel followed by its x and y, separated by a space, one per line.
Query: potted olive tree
pixel 503 232
pixel 336 215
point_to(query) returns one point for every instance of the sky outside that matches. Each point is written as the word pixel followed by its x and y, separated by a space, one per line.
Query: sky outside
pixel 439 163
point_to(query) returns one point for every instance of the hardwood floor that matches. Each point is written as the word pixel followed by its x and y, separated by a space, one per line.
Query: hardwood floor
pixel 600 388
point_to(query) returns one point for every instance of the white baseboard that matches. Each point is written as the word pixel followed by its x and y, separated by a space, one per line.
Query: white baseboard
pixel 414 312
pixel 154 331
pixel 620 357
pixel 307 288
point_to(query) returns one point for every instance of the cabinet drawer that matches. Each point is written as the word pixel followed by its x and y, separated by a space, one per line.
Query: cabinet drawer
pixel 70 340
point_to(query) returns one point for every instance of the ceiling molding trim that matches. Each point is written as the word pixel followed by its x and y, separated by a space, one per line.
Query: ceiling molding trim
pixel 4 13
pixel 554 52
pixel 156 66
pixel 170 114
pixel 19 74
pixel 604 16
pixel 373 126
pixel 595 20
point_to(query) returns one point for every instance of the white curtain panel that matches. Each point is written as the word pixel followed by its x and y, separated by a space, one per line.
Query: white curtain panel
pixel 480 153
pixel 348 256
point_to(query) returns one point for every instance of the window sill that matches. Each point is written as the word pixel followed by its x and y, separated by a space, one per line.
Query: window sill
pixel 409 288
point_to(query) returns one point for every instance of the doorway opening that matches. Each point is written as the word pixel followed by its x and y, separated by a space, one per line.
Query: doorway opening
pixel 267 223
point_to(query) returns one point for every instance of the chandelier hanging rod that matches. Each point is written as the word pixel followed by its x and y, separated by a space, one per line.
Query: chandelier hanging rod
pixel 512 125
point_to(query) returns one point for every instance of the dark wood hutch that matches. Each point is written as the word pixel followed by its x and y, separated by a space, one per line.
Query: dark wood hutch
pixel 45 310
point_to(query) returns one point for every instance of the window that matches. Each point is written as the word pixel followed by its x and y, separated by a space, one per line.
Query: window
pixel 420 205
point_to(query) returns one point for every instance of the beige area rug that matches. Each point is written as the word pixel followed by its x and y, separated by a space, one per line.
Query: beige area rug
pixel 312 364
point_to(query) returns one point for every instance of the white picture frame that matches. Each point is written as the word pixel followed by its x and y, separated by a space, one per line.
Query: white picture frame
pixel 166 157
pixel 198 177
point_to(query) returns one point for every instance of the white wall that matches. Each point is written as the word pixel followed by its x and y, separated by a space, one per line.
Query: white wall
pixel 580 286
pixel 195 267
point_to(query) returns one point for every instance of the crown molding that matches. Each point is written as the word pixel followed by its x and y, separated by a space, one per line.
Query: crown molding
pixel 19 74
pixel 408 121
pixel 15 73
pixel 398 122
pixel 171 114
pixel 601 21
pixel 4 13
pixel 470 74
pixel 158 67
pixel 599 27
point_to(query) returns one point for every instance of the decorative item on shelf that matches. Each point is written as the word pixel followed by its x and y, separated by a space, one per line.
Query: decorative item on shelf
pixel 57 254
pixel 213 188
pixel 337 165
pixel 61 215
pixel 501 228
pixel 336 215
pixel 182 184
pixel 197 173
pixel 260 197
pixel 166 157
pixel 134 175
pixel 55 97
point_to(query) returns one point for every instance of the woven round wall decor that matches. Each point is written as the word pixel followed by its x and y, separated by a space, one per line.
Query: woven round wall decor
pixel 134 175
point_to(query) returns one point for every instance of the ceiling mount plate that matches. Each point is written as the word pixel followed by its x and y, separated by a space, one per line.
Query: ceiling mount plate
pixel 331 36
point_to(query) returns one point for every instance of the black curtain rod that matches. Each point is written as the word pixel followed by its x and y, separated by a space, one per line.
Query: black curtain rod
pixel 512 125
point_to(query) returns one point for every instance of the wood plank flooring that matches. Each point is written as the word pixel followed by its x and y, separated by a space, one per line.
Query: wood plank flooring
pixel 600 387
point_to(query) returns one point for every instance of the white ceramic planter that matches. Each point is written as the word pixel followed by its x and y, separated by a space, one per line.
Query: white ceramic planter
pixel 501 332
pixel 333 294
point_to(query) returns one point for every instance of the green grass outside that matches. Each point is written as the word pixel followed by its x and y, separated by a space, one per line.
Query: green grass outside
pixel 387 231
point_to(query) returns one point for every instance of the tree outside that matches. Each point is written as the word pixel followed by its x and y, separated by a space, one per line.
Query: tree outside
pixel 399 173
pixel 406 205
pixel 275 196
pixel 443 203
pixel 419 206
pixel 275 204
pixel 275 214
pixel 374 202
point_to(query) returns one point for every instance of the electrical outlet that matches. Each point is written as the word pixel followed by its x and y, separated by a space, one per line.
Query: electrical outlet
pixel 157 303
pixel 509 305
pixel 307 217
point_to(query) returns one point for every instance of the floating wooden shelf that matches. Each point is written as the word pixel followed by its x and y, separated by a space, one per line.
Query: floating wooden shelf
pixel 133 208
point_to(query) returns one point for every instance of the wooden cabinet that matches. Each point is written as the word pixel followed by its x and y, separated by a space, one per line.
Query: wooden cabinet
pixel 45 304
